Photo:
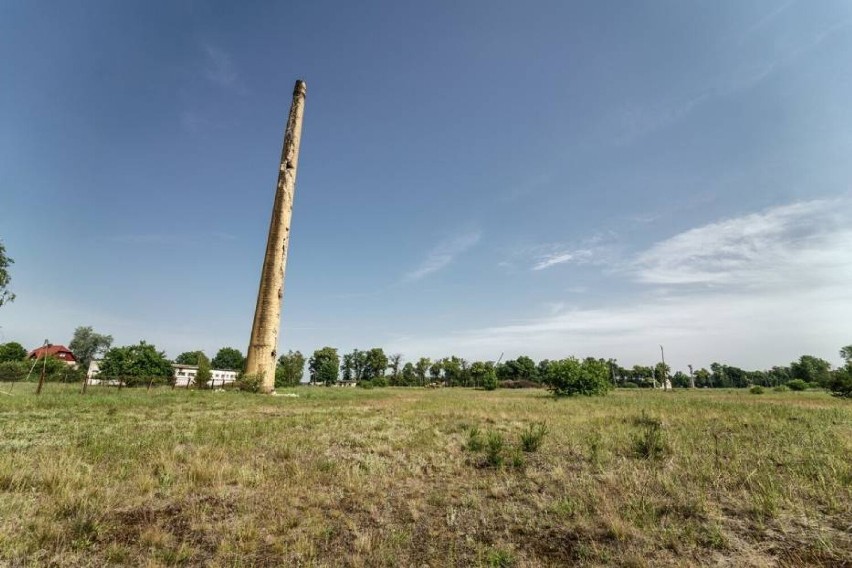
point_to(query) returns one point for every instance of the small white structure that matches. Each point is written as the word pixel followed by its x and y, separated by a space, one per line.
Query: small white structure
pixel 185 375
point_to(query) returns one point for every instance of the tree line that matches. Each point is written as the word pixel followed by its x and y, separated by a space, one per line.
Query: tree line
pixel 143 363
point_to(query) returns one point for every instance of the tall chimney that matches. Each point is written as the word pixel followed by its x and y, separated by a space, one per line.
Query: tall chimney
pixel 261 357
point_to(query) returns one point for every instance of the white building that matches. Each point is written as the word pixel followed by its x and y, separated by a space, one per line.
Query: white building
pixel 184 374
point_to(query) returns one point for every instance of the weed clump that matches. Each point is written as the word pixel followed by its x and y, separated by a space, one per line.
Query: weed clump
pixel 533 436
pixel 780 388
pixel 494 446
pixel 650 443
pixel 250 383
pixel 756 389
pixel 797 385
pixel 474 440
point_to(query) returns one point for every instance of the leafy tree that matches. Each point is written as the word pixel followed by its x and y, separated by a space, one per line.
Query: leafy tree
pixel 290 369
pixel 483 374
pixel 394 362
pixel 661 372
pixel 229 358
pixel 541 368
pixel 778 375
pixel 87 345
pixel 136 364
pixel 409 376
pixel 840 383
pixel 421 369
pixel 376 363
pixel 846 354
pixel 703 378
pixel 6 295
pixel 680 380
pixel 435 371
pixel 12 351
pixel 811 370
pixel 455 371
pixel 323 366
pixel 188 357
pixel 203 375
pixel 570 377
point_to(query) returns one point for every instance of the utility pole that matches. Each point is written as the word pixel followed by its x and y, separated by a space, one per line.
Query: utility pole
pixel 263 345
pixel 665 373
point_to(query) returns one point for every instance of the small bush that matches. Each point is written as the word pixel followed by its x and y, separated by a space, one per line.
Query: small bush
pixel 494 446
pixel 571 376
pixel 474 440
pixel 380 382
pixel 629 385
pixel 651 443
pixel 756 389
pixel 250 383
pixel 797 385
pixel 499 558
pixel 365 385
pixel 780 388
pixel 533 436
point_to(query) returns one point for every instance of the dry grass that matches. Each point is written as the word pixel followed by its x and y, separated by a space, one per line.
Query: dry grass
pixel 341 477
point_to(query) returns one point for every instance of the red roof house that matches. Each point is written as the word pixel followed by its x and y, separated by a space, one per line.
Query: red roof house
pixel 59 351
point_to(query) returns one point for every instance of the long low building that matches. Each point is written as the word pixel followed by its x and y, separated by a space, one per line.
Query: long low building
pixel 184 375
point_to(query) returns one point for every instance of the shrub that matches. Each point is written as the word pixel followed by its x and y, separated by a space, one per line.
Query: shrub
pixel 380 382
pixel 533 436
pixel 494 445
pixel 250 382
pixel 14 370
pixel 474 440
pixel 570 377
pixel 797 385
pixel 756 389
pixel 365 385
pixel 780 388
pixel 840 384
pixel 629 385
pixel 651 444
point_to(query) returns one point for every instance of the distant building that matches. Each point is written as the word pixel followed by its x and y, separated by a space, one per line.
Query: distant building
pixel 59 351
pixel 184 375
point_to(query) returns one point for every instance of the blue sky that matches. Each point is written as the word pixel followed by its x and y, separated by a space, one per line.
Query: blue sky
pixel 476 178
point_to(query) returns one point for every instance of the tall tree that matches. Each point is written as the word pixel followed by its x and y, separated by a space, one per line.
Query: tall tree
pixel 394 362
pixel 203 374
pixel 377 363
pixel 846 353
pixel 323 366
pixel 435 371
pixel 87 345
pixel 811 370
pixel 229 358
pixel 189 357
pixel 6 295
pixel 12 351
pixel 482 374
pixel 290 369
pixel 421 369
pixel 409 376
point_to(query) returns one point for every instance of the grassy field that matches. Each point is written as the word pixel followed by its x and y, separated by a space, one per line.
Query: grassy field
pixel 397 477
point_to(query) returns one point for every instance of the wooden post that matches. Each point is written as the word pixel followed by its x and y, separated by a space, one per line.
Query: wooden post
pixel 260 359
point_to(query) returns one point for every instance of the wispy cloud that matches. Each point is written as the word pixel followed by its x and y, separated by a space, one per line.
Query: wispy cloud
pixel 575 256
pixel 779 245
pixel 443 254
pixel 752 290
pixel 219 66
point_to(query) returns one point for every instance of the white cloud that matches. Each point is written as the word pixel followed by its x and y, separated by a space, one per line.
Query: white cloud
pixel 219 67
pixel 443 254
pixel 754 291
pixel 575 256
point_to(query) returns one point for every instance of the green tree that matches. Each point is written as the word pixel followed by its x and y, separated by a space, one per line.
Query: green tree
pixel 811 370
pixel 376 363
pixel 6 295
pixel 203 375
pixel 188 357
pixel 483 375
pixel 12 351
pixel 421 369
pixel 703 378
pixel 846 354
pixel 570 377
pixel 87 345
pixel 136 364
pixel 290 368
pixel 394 362
pixel 435 371
pixel 229 358
pixel 840 383
pixel 323 366
pixel 409 376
